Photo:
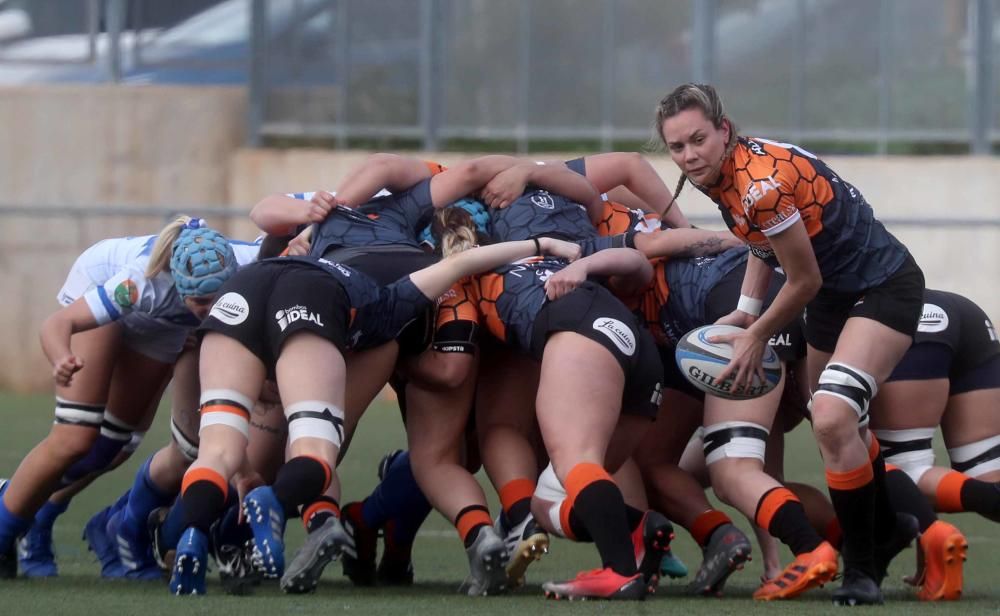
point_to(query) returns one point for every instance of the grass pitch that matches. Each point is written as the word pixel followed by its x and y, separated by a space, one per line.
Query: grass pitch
pixel 439 559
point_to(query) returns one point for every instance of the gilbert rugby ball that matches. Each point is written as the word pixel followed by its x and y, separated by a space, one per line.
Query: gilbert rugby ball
pixel 702 362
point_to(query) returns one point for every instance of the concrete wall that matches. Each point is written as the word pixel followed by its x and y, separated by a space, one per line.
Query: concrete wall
pixel 74 146
pixel 179 148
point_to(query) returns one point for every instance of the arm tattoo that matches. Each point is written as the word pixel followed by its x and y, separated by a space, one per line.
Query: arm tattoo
pixel 702 248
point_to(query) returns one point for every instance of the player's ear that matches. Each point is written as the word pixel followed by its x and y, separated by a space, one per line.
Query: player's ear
pixel 727 129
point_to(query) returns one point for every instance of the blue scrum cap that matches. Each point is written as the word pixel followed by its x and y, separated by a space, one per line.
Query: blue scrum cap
pixel 202 260
pixel 480 217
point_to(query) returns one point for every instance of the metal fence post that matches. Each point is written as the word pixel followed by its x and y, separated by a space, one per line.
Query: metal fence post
pixel 115 24
pixel 981 93
pixel 342 69
pixel 797 84
pixel 608 74
pixel 430 83
pixel 524 75
pixel 703 41
pixel 884 70
pixel 256 87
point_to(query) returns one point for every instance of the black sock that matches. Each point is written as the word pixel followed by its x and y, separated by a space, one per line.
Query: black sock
pixel 473 535
pixel 577 527
pixel 601 508
pixel 301 480
pixel 634 517
pixel 791 526
pixel 885 513
pixel 981 497
pixel 518 511
pixel 855 510
pixel 907 498
pixel 203 503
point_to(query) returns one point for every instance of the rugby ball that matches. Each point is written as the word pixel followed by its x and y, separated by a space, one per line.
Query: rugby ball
pixel 701 362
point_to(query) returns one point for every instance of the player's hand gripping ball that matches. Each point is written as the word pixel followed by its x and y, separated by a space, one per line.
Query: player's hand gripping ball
pixel 702 362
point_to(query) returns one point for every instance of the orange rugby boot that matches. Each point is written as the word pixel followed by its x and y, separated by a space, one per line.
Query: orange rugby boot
pixel 807 571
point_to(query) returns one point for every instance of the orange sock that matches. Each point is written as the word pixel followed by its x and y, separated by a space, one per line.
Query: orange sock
pixel 203 473
pixel 471 518
pixel 852 479
pixel 948 495
pixel 579 477
pixel 706 523
pixel 769 505
pixel 515 491
pixel 325 505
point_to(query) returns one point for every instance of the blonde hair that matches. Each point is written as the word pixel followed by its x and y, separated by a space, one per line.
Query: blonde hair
pixel 159 258
pixel 456 229
pixel 694 96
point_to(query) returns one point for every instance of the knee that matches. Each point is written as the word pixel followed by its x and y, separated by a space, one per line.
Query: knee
pixel 832 431
pixel 71 447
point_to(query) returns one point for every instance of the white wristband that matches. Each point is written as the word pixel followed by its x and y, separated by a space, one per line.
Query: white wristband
pixel 749 305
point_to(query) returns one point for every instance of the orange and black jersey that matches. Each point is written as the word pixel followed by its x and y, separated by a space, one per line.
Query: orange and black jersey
pixel 765 187
pixel 504 301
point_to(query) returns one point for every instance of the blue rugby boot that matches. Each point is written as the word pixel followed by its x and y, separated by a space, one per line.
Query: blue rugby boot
pixel 96 535
pixel 135 555
pixel 34 553
pixel 190 564
pixel 267 520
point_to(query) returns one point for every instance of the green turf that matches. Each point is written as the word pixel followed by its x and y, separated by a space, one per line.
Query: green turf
pixel 439 559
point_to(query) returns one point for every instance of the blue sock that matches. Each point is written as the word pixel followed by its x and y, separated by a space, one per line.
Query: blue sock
pixel 102 453
pixel 121 502
pixel 11 526
pixel 46 516
pixel 173 526
pixel 397 497
pixel 230 531
pixel 144 497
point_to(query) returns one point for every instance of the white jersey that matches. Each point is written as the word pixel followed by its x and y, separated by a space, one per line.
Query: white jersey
pixel 110 276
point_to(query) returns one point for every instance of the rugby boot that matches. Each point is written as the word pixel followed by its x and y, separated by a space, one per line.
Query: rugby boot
pixel 395 568
pixel 651 540
pixel 728 550
pixel 267 520
pixel 163 554
pixel 487 573
pixel 903 533
pixel 34 553
pixel 134 553
pixel 671 566
pixel 942 551
pixel 857 589
pixel 236 570
pixel 190 564
pixel 598 584
pixel 95 533
pixel 525 543
pixel 807 571
pixel 321 546
pixel 359 567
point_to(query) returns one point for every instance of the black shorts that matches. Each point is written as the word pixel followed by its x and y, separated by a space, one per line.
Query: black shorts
pixel 896 303
pixel 673 378
pixel 594 313
pixel 930 360
pixel 387 264
pixel 263 304
pixel 789 342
